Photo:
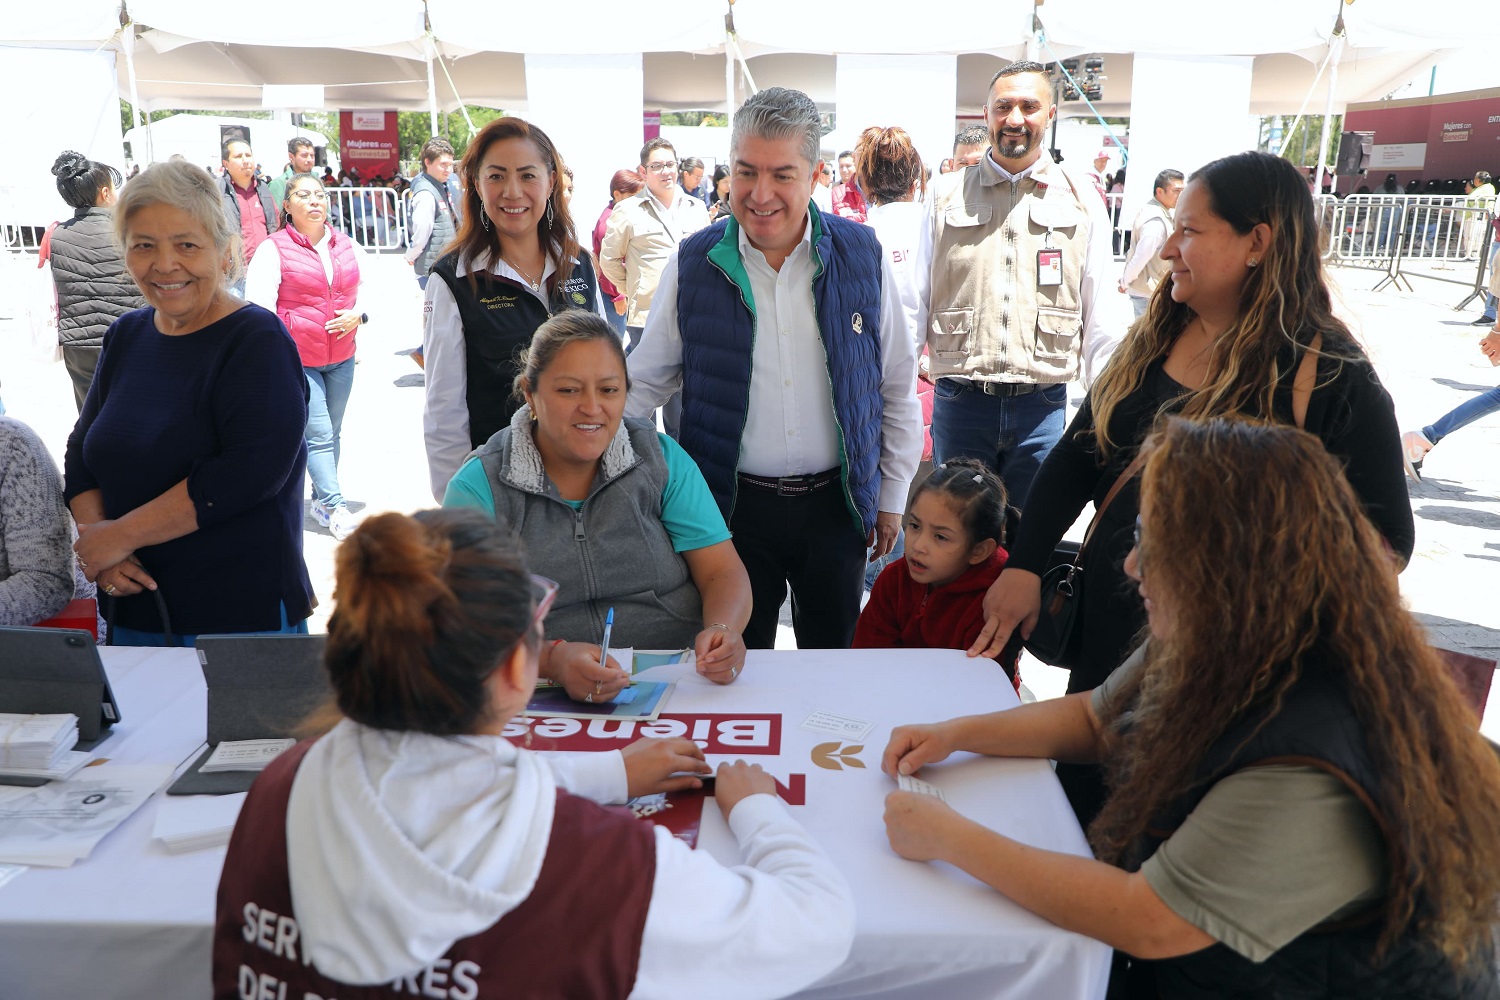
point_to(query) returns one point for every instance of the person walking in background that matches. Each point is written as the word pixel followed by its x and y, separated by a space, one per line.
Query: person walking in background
pixel 311 276
pixel 1153 224
pixel 1416 444
pixel 800 409
pixel 1020 257
pixel 434 215
pixel 248 204
pixel 690 178
pixel 622 185
pixel 848 200
pixel 88 267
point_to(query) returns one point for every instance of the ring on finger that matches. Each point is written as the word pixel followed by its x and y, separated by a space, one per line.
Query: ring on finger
pixel 598 687
pixel 589 697
pixel 734 673
pixel 109 589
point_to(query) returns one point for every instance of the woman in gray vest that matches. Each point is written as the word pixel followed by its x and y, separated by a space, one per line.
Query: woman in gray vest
pixel 88 268
pixel 615 512
pixel 1300 805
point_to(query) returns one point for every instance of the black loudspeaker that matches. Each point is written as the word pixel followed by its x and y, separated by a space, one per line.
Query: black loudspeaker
pixel 1355 149
pixel 240 133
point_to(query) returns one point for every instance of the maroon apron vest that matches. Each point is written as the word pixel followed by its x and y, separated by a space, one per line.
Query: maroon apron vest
pixel 577 935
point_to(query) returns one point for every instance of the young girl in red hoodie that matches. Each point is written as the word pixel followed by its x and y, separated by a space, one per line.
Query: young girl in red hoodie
pixel 933 596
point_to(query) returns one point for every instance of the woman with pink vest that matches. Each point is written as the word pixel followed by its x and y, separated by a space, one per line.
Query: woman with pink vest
pixel 308 274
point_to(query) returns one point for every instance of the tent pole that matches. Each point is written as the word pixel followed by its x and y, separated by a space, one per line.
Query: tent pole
pixel 728 77
pixel 127 44
pixel 432 105
pixel 1337 46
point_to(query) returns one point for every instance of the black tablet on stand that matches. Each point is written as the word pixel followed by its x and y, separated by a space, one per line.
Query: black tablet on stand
pixel 47 671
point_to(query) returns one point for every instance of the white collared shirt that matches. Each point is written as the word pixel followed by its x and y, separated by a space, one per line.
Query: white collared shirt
pixel 791 429
pixel 445 411
pixel 1006 175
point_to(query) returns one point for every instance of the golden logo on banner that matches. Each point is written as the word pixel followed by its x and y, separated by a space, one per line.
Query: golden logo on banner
pixel 828 755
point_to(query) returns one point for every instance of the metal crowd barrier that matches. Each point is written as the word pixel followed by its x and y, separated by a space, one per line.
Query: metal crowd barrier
pixel 1439 237
pixel 374 216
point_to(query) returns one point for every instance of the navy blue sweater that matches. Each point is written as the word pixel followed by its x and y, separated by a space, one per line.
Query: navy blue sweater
pixel 225 408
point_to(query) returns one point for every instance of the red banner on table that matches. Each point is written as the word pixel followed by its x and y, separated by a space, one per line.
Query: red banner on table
pixel 746 735
pixel 368 143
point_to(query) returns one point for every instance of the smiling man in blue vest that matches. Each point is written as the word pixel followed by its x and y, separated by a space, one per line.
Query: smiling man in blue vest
pixel 798 378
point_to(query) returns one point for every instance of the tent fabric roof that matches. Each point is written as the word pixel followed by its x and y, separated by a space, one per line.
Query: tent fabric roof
pixel 207 56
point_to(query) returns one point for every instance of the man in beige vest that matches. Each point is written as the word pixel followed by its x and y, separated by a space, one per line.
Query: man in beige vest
pixel 1153 223
pixel 1021 259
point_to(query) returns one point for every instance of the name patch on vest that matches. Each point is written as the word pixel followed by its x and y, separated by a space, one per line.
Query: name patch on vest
pixel 576 290
pixel 498 301
pixel 278 934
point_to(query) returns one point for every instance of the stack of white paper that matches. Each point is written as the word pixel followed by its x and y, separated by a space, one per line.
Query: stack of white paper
pixel 195 822
pixel 36 744
pixel 245 755
pixel 60 823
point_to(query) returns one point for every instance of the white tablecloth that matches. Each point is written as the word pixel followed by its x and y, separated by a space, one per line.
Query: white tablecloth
pixel 134 920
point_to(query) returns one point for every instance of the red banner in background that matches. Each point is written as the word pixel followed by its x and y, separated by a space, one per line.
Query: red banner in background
pixel 368 143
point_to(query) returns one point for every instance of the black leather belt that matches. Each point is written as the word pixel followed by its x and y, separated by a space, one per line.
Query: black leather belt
pixel 791 486
pixel 1000 388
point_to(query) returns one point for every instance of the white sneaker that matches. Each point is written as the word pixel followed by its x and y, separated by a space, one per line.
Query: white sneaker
pixel 1414 448
pixel 341 522
pixel 320 514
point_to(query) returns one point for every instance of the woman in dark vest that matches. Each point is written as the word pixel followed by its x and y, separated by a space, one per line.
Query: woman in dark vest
pixel 617 513
pixel 515 262
pixel 413 849
pixel 1300 805
pixel 88 267
pixel 311 276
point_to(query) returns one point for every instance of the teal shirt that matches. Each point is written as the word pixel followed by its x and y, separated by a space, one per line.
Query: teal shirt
pixel 688 510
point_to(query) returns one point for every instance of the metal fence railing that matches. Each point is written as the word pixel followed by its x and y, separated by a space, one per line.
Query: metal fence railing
pixel 1438 237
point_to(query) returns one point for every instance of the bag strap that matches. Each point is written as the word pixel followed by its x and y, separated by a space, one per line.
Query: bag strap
pixel 1302 390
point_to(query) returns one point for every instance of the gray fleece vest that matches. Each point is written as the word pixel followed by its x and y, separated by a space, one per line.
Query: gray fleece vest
pixel 613 553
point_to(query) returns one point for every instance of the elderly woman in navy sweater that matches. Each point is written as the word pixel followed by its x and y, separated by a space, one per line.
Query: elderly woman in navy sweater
pixel 184 471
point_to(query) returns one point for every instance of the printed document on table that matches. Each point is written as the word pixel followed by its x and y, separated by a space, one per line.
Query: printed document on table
pixel 62 822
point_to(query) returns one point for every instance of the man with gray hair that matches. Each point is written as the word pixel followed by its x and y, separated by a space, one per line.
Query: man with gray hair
pixel 798 378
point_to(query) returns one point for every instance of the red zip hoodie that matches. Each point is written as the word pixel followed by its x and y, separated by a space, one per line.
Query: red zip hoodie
pixel 902 613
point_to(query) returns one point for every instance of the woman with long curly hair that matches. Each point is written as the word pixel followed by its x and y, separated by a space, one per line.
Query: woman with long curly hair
pixel 1246 304
pixel 515 261
pixel 1300 804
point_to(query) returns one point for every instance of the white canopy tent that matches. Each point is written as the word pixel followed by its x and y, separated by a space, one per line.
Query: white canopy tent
pixel 431 54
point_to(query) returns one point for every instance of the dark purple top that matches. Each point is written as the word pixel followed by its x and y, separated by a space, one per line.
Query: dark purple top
pixel 225 408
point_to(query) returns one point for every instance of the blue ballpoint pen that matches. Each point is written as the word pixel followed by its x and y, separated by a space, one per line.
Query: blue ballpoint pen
pixel 609 626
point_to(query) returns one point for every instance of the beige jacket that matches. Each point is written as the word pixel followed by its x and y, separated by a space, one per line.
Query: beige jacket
pixel 990 319
pixel 1151 273
pixel 639 239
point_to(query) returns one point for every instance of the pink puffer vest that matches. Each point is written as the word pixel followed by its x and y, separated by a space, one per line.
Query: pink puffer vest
pixel 307 300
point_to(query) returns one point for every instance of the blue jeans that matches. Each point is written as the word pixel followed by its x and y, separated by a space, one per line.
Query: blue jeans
pixel 119 635
pixel 328 394
pixel 616 320
pixel 1139 303
pixel 1489 300
pixel 1010 434
pixel 1463 414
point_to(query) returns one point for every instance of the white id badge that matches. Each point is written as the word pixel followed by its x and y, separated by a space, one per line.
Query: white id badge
pixel 1048 267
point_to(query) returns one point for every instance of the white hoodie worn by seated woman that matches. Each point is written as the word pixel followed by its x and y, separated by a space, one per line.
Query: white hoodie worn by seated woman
pixel 452 857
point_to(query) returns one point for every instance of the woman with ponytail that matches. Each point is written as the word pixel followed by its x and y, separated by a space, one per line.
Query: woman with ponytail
pixel 414 843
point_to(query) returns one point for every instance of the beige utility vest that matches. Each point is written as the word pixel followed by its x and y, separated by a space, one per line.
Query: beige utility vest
pixel 1146 280
pixel 990 320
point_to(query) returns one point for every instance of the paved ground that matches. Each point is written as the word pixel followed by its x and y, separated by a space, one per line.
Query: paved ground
pixel 1425 352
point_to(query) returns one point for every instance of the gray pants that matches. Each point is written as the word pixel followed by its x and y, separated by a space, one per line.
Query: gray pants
pixel 81 362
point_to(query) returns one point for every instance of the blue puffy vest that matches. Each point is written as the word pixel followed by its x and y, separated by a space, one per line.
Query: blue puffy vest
pixel 716 317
